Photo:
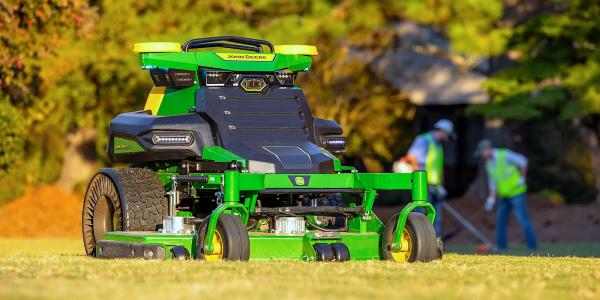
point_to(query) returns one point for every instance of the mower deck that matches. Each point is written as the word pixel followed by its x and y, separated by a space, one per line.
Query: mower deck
pixel 263 245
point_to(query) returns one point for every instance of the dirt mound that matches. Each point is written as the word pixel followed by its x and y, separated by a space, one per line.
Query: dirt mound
pixel 46 211
pixel 553 223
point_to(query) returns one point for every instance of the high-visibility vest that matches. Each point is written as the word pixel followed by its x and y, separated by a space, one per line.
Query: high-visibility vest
pixel 434 165
pixel 507 177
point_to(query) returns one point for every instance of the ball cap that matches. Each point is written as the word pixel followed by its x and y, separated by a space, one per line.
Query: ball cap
pixel 446 126
pixel 482 145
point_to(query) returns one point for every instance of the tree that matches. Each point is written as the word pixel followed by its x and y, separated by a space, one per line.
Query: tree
pixel 97 77
pixel 30 32
pixel 472 26
pixel 558 76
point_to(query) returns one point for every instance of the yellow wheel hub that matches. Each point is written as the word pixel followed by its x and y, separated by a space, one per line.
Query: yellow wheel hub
pixel 404 254
pixel 217 246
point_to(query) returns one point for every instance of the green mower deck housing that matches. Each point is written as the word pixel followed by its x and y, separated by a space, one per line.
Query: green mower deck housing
pixel 226 161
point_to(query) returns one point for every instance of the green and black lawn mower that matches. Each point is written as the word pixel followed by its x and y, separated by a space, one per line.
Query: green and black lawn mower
pixel 227 162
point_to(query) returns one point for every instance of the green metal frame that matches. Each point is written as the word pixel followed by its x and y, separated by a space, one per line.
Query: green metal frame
pixel 233 183
pixel 362 237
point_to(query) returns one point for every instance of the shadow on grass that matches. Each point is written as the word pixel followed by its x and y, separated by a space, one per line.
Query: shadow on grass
pixel 591 249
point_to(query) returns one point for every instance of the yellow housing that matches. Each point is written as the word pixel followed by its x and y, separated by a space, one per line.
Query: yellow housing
pixel 296 49
pixel 154 47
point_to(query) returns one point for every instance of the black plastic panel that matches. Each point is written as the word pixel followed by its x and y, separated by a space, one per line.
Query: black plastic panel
pixel 139 126
pixel 116 249
pixel 275 127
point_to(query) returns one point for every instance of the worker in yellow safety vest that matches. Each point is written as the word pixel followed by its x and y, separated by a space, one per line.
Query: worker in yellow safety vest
pixel 426 153
pixel 506 172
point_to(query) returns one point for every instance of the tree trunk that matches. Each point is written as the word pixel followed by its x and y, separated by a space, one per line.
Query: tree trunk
pixel 79 162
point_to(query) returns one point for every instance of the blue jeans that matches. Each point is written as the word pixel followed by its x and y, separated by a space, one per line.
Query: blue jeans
pixel 436 201
pixel 519 205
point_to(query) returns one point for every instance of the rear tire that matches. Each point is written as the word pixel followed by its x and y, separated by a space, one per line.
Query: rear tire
pixel 129 199
pixel 422 241
pixel 231 241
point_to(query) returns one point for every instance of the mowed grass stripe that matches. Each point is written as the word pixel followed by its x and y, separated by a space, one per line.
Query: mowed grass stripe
pixel 57 269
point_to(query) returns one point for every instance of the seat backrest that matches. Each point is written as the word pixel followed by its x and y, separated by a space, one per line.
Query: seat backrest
pixel 273 128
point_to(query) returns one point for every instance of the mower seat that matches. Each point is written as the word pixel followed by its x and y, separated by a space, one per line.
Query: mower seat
pixel 273 131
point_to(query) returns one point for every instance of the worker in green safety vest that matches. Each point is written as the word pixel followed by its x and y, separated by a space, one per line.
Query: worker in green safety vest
pixel 426 153
pixel 506 171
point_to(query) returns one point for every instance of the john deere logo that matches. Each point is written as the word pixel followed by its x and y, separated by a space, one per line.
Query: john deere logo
pixel 126 146
pixel 300 180
pixel 247 57
pixel 121 147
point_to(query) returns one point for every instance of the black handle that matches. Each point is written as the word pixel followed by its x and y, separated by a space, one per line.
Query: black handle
pixel 242 43
pixel 226 45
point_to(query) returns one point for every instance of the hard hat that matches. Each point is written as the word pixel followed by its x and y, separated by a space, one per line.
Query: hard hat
pixel 446 126
pixel 482 145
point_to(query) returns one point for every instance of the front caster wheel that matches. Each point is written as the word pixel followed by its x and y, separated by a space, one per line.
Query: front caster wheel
pixel 230 241
pixel 419 241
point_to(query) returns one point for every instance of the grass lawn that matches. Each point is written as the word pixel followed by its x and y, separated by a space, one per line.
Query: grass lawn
pixel 57 269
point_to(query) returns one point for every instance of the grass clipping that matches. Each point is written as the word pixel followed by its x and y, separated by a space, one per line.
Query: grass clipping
pixel 46 211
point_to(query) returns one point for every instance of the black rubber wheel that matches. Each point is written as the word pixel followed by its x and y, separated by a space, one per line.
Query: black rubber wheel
pixel 128 199
pixel 231 240
pixel 422 240
pixel 180 253
pixel 340 252
pixel 440 248
pixel 324 252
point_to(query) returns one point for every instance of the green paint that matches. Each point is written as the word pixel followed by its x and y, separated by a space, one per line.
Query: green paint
pixel 271 247
pixel 177 60
pixel 167 241
pixel 184 214
pixel 220 154
pixel 419 186
pixel 209 59
pixel 178 101
pixel 231 187
pixel 375 181
pixel 363 246
pixel 122 145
